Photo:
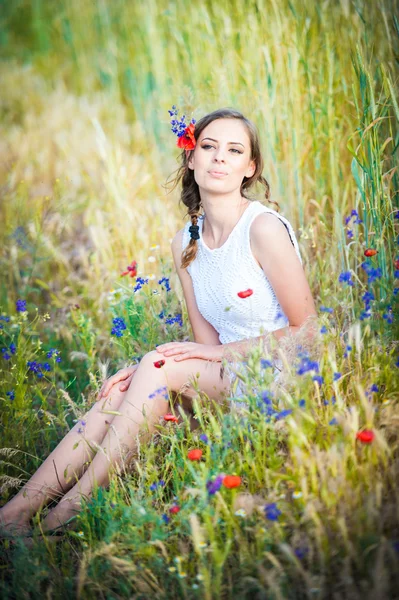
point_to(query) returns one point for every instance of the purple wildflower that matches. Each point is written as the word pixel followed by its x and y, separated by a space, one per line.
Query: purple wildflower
pixel 272 513
pixel 11 395
pixel 326 309
pixel 345 277
pixel 20 305
pixel 337 376
pixel 215 485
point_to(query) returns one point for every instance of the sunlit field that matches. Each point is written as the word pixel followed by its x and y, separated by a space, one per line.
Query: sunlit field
pixel 296 496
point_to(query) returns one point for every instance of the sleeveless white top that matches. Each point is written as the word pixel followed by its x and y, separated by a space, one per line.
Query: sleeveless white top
pixel 219 274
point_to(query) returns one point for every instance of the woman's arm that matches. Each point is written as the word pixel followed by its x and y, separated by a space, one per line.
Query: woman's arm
pixel 273 249
pixel 203 331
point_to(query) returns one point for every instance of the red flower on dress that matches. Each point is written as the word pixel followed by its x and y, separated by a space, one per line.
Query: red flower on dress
pixel 187 140
pixel 171 418
pixel 245 293
pixel 174 509
pixel 231 481
pixel 159 363
pixel 195 454
pixel 132 269
pixel 366 436
pixel 370 252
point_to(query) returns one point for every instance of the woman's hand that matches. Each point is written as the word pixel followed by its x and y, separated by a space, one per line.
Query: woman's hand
pixel 125 375
pixel 185 350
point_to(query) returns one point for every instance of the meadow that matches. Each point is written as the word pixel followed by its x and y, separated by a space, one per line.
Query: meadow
pixel 297 496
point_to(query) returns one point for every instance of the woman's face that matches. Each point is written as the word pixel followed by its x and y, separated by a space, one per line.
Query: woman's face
pixel 223 147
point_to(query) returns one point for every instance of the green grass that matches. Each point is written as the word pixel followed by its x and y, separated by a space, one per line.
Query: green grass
pixel 85 154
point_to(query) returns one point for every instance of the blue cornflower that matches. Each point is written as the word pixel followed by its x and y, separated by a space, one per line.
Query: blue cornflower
pixel 119 322
pixel 165 281
pixel 301 552
pixel 204 438
pixel 13 348
pixel 5 354
pixel 307 365
pixel 326 309
pixel 368 297
pixel 349 233
pixel 345 277
pixel 5 318
pixel 318 378
pixel 20 305
pixel 284 413
pixel 302 403
pixel 272 512
pixel 165 518
pixel 215 485
pixel 337 376
pixel 374 388
pixel 139 283
pixel 396 273
pixel 11 395
pixel 323 329
pixel 161 315
pixel 117 332
pixel 120 326
pixel 54 352
pixel 264 363
pixel 333 421
pixel 175 319
pixel 348 349
pixel 178 127
pixel 365 314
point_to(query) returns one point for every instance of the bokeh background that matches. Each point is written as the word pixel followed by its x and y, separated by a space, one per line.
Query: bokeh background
pixel 86 160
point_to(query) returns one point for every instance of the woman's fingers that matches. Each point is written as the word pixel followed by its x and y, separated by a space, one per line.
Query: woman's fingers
pixel 125 385
pixel 112 381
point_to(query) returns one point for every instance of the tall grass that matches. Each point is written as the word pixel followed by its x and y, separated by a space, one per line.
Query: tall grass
pixel 86 150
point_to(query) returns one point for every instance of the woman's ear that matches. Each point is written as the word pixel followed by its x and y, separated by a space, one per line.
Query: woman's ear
pixel 189 158
pixel 251 169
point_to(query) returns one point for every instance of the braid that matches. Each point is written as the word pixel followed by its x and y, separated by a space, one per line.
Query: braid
pixel 190 251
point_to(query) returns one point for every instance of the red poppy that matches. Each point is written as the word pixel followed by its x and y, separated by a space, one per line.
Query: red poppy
pixel 231 481
pixel 396 263
pixel 187 140
pixel 132 269
pixel 366 436
pixel 174 509
pixel 195 454
pixel 245 293
pixel 159 363
pixel 171 418
pixel 370 252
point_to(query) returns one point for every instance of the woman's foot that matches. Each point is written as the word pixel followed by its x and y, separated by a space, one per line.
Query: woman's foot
pixel 14 525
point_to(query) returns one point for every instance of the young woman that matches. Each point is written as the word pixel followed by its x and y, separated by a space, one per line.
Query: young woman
pixel 241 273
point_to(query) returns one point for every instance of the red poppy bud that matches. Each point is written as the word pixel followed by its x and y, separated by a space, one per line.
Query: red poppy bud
pixel 195 454
pixel 245 294
pixel 171 418
pixel 174 509
pixel 370 252
pixel 366 436
pixel 231 481
pixel 159 363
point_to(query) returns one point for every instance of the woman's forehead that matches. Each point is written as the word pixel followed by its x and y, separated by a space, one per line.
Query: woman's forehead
pixel 226 130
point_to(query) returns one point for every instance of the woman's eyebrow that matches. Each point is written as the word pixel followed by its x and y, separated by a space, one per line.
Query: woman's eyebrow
pixel 208 138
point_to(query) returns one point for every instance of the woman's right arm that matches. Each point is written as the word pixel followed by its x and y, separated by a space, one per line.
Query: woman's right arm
pixel 203 331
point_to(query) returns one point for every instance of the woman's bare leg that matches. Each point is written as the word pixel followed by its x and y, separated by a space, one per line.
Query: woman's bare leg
pixel 136 409
pixel 65 465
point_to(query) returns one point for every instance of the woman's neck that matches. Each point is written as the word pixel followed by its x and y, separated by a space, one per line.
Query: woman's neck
pixel 221 216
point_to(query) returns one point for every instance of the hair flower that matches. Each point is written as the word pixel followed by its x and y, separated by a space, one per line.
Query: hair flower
pixel 184 132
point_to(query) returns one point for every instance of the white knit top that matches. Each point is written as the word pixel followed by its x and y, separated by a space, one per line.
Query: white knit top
pixel 219 274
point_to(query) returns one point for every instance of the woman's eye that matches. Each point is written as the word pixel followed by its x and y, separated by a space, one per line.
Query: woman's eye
pixel 209 146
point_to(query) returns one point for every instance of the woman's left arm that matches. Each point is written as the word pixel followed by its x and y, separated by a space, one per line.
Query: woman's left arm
pixel 272 246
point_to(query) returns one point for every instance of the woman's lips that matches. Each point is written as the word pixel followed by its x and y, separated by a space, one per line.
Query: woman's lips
pixel 217 174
